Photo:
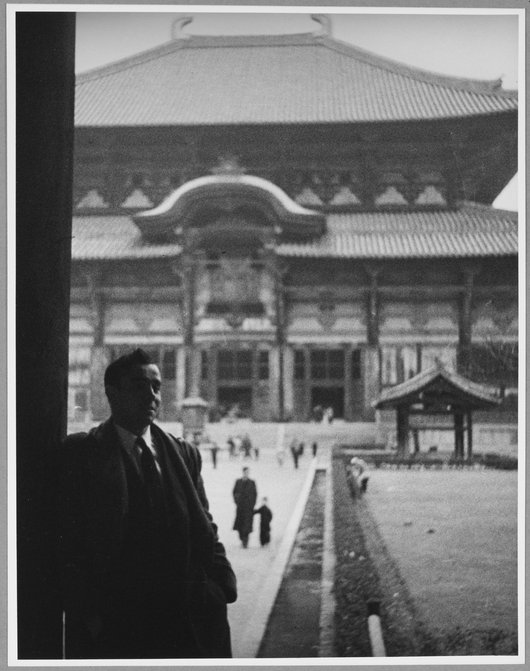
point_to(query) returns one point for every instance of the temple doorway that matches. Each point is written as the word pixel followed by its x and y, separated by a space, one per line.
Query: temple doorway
pixel 329 397
pixel 235 401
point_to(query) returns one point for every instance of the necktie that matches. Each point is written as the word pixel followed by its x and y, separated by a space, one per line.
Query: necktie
pixel 154 492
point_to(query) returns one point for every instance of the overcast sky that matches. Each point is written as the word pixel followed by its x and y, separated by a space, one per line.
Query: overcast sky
pixel 481 46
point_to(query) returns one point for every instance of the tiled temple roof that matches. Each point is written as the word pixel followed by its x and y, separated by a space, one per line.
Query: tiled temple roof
pixel 114 237
pixel 470 231
pixel 273 79
pixel 474 394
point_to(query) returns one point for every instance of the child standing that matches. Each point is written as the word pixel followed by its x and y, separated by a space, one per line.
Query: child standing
pixel 265 522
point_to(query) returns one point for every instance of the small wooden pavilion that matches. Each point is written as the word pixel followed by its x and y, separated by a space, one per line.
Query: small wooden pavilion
pixel 437 391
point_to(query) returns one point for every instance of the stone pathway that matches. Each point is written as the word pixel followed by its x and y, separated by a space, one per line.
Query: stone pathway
pixel 253 566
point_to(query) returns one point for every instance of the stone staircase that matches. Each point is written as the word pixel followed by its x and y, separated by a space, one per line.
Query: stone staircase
pixel 265 435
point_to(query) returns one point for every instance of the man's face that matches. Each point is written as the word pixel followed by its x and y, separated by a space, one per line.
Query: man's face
pixel 245 473
pixel 135 402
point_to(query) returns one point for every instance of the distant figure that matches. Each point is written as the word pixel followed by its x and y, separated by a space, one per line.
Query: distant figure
pixel 214 449
pixel 231 447
pixel 237 446
pixel 358 469
pixel 318 413
pixel 330 414
pixel 280 455
pixel 295 451
pixel 314 448
pixel 255 450
pixel 246 446
pixel 245 495
pixel 265 522
pixel 301 448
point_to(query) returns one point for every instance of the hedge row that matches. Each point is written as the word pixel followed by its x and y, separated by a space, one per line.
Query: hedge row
pixel 365 572
pixel 380 459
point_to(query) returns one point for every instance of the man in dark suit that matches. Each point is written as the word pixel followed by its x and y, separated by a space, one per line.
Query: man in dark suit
pixel 144 574
pixel 245 495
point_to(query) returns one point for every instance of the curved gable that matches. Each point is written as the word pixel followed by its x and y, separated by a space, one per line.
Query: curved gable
pixel 239 204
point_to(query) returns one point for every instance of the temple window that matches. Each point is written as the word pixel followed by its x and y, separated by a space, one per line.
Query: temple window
pixel 356 364
pixel 263 365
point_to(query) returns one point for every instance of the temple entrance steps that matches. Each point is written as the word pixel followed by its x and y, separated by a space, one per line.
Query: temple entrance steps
pixel 265 435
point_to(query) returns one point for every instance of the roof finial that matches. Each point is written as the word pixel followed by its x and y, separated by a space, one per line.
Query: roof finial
pixel 177 32
pixel 325 24
pixel 228 165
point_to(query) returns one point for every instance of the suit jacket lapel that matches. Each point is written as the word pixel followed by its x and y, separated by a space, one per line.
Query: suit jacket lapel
pixel 107 490
pixel 200 527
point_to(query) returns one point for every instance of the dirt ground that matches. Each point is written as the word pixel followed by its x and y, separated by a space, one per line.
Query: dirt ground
pixel 453 536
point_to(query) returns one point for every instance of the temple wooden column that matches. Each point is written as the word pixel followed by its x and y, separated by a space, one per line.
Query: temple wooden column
pixel 402 430
pixel 277 270
pixel 459 434
pixel 465 322
pixel 371 358
pixel 348 397
pixel 188 272
pixel 288 367
pixel 44 146
pixel 469 431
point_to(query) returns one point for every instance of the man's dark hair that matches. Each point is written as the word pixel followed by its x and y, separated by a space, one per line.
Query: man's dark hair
pixel 121 366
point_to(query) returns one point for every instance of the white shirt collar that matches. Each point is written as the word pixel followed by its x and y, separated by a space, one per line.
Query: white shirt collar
pixel 128 439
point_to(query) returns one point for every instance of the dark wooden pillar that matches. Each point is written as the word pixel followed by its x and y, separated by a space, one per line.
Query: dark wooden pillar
pixel 44 143
pixel 308 405
pixel 371 358
pixel 469 427
pixel 278 270
pixel 212 375
pixel 372 308
pixel 402 412
pixel 459 434
pixel 348 393
pixel 280 339
pixel 188 272
pixel 465 323
pixel 416 440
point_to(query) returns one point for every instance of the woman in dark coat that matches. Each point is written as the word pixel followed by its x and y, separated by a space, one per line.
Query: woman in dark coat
pixel 245 495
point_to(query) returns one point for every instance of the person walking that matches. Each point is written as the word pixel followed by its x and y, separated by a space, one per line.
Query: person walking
pixel 280 455
pixel 246 446
pixel 314 448
pixel 295 451
pixel 144 574
pixel 214 450
pixel 265 515
pixel 245 495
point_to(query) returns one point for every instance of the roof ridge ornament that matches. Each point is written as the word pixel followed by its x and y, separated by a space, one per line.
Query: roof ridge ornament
pixel 228 164
pixel 325 24
pixel 177 28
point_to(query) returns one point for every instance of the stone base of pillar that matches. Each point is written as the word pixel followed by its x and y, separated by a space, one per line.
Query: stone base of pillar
pixel 194 411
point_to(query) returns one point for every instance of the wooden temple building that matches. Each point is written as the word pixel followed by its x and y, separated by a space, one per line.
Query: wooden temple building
pixel 287 221
pixel 433 393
